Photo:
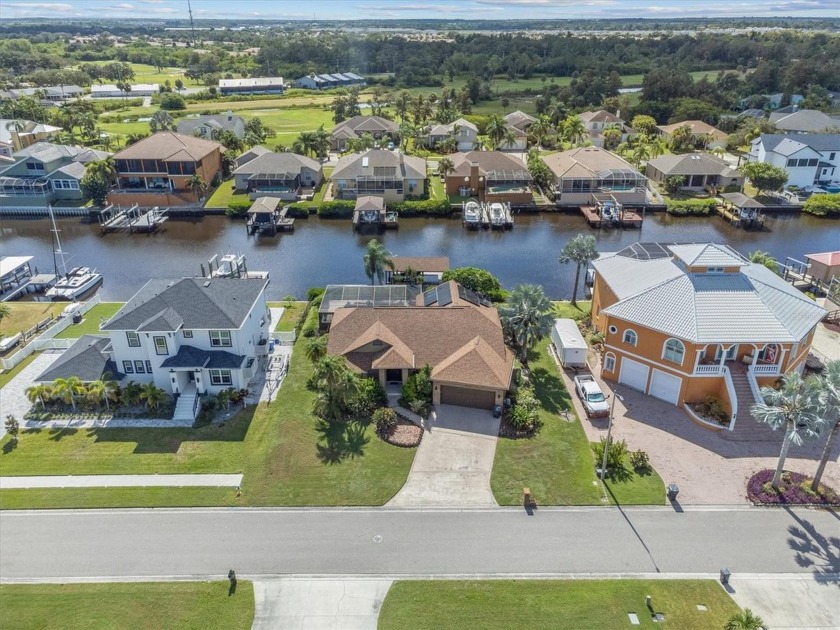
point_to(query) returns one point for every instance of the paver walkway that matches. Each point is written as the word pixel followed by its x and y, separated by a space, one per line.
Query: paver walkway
pixel 454 461
pixel 708 468
pixel 322 604
pixel 122 481
pixel 13 397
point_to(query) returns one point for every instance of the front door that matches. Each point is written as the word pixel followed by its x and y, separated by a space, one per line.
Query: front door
pixel 191 377
pixel 731 353
pixel 393 376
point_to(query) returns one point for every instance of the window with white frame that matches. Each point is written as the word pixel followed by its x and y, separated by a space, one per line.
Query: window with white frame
pixel 609 362
pixel 160 346
pixel 128 368
pixel 630 337
pixel 133 339
pixel 220 377
pixel 674 351
pixel 140 367
pixel 187 334
pixel 220 338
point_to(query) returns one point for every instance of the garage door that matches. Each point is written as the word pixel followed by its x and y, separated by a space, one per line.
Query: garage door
pixel 665 386
pixel 633 374
pixel 465 397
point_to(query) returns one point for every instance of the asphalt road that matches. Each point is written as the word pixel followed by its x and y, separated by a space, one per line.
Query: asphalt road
pixel 207 542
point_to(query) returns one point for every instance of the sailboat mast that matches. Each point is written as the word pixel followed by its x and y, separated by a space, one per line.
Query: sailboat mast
pixel 58 249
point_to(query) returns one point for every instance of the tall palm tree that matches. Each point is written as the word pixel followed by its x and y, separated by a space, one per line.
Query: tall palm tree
pixel 305 144
pixel 407 131
pixel 495 130
pixel 829 399
pixel 641 153
pixel 316 348
pixel 574 130
pixel 445 166
pixel 793 407
pixel 744 620
pixel 152 396
pixel 539 129
pixel 581 251
pixel 336 385
pixel 656 146
pixel 527 317
pixel 376 259
pixel 197 185
pixel 322 141
pixel 39 393
pixel 67 389
pixel 106 169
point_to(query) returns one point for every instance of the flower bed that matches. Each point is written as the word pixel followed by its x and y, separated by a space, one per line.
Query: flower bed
pixel 510 432
pixel 404 434
pixel 794 489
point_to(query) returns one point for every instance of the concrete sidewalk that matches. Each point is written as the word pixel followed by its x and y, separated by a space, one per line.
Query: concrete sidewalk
pixel 790 602
pixel 121 481
pixel 334 604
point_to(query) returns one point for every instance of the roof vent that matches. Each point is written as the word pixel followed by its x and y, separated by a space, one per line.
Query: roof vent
pixel 206 284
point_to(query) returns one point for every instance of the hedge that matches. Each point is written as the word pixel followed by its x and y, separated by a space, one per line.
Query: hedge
pixel 823 205
pixel 436 207
pixel 696 207
pixel 336 209
pixel 238 208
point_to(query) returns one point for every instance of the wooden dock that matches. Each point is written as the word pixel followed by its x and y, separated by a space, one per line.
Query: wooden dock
pixel 796 272
pixel 268 224
pixel 591 215
pixel 631 219
pixel 132 219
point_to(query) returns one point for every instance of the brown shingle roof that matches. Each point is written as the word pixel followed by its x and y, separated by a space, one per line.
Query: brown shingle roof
pixel 463 343
pixel 168 145
pixel 487 161
pixel 429 264
pixel 698 127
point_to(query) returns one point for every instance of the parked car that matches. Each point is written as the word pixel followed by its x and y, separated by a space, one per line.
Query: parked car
pixel 590 394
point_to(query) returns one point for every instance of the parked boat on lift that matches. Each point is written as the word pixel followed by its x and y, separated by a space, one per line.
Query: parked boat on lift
pixel 75 283
pixel 497 216
pixel 472 215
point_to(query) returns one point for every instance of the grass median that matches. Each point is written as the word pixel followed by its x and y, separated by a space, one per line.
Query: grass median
pixel 130 606
pixel 554 604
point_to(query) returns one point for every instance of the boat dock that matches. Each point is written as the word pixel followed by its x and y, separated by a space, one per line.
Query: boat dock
pixel 132 219
pixel 606 212
pixel 371 212
pixel 39 283
pixel 741 211
pixel 796 272
pixel 591 216
pixel 265 220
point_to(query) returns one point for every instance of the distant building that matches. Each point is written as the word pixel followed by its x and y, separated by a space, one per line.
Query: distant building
pixel 809 159
pixel 463 131
pixel 51 93
pixel 44 173
pixel 378 127
pixel 210 126
pixel 772 101
pixel 598 122
pixel 256 85
pixel 112 91
pixel 699 128
pixel 13 138
pixel 803 121
pixel 330 81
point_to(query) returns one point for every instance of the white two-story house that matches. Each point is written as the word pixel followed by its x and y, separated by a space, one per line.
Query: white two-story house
pixel 809 159
pixel 188 336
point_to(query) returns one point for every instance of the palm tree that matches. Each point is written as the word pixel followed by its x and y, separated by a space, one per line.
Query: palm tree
pixel 719 151
pixel 656 147
pixel 152 395
pixel 792 406
pixel 67 389
pixel 336 385
pixel 527 317
pixel 322 142
pixel 448 145
pixel 106 169
pixel 445 166
pixel 305 144
pixel 574 130
pixel 316 348
pixel 539 129
pixel 130 394
pixel 581 251
pixel 95 391
pixel 407 130
pixel 744 620
pixel 640 154
pixel 39 393
pixel 496 129
pixel 764 258
pixel 376 259
pixel 197 185
pixel 829 399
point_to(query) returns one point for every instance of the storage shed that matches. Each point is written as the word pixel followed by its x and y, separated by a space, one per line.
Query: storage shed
pixel 569 343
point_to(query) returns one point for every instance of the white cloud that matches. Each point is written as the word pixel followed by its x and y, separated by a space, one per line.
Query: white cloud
pixel 46 6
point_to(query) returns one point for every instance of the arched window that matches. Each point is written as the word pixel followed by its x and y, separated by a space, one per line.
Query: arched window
pixel 630 337
pixel 609 362
pixel 674 351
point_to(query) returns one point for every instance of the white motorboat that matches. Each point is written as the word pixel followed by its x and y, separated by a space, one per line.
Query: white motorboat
pixel 472 214
pixel 497 216
pixel 75 283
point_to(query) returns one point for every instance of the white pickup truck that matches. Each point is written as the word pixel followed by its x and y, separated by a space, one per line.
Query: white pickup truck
pixel 593 399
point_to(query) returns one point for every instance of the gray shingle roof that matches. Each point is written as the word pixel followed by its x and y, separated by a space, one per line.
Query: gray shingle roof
pixel 278 163
pixel 352 166
pixel 693 164
pixel 223 304
pixel 218 121
pixel 817 141
pixel 804 120
pixel 85 359
pixel 192 357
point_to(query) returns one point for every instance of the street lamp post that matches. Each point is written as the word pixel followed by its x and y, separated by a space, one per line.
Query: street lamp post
pixel 609 430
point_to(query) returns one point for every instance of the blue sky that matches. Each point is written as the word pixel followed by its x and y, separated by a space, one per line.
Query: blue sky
pixel 385 9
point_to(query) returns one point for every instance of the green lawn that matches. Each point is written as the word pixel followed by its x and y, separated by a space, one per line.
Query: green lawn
pixel 288 458
pixel 554 604
pixel 291 315
pixel 129 606
pixel 628 487
pixel 144 73
pixel 90 324
pixel 8 375
pixel 437 190
pixel 224 194
pixel 26 315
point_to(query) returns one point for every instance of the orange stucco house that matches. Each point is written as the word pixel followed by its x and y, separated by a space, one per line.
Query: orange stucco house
pixel 684 322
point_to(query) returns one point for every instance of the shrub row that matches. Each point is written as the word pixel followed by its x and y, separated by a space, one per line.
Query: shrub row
pixel 434 207
pixel 823 205
pixel 336 208
pixel 695 207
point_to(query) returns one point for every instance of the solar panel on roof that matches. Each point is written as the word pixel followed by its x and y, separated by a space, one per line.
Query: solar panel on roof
pixel 429 297
pixel 444 295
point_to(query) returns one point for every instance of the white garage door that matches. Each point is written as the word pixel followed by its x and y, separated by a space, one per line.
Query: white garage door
pixel 633 374
pixel 665 386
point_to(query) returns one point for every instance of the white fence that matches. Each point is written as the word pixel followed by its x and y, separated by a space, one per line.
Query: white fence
pixel 714 369
pixel 284 337
pixel 46 340
pixel 733 397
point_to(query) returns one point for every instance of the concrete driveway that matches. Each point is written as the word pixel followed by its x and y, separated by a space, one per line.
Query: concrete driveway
pixel 453 462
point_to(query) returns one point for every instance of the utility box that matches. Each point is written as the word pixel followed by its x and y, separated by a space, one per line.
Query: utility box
pixel 569 344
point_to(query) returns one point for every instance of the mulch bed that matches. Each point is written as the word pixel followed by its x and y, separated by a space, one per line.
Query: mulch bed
pixel 404 434
pixel 795 489
pixel 507 430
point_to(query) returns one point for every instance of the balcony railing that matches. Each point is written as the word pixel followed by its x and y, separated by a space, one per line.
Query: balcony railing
pixel 764 370
pixel 713 368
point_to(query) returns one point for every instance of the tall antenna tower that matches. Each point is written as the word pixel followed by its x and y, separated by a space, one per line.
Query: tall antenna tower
pixel 192 25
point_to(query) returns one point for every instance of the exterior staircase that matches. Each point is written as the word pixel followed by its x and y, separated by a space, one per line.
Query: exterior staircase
pixel 746 428
pixel 186 408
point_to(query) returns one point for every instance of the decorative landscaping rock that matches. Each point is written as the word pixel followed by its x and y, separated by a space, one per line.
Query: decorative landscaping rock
pixel 404 434
pixel 794 489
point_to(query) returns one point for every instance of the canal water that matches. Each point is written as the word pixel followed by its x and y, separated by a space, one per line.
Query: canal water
pixel 326 251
